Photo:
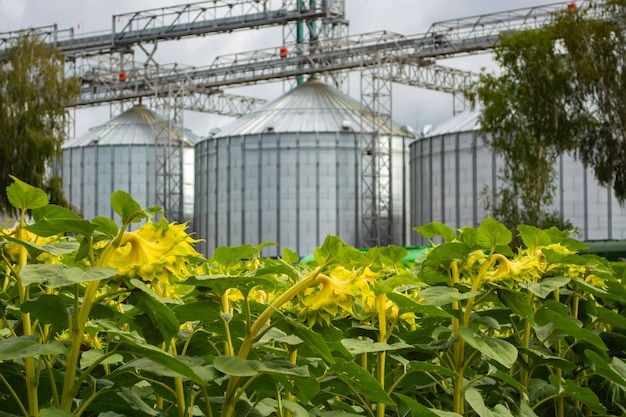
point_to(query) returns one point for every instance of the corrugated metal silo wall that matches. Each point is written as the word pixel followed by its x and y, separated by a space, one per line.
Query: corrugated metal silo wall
pixel 92 173
pixel 449 172
pixel 292 189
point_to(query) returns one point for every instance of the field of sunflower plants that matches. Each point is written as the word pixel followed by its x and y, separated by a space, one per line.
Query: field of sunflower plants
pixel 96 320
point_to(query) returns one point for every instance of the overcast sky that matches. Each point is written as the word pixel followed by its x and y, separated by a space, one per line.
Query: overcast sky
pixel 412 106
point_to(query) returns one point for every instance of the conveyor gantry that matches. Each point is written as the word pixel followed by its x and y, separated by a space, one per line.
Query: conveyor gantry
pixel 175 22
pixel 444 39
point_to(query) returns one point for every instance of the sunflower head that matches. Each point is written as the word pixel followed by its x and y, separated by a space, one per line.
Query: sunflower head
pixel 157 252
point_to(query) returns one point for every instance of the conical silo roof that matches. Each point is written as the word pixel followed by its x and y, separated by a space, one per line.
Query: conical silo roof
pixel 462 122
pixel 136 126
pixel 313 106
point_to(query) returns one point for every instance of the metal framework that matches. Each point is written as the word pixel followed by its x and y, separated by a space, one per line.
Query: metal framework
pixel 382 58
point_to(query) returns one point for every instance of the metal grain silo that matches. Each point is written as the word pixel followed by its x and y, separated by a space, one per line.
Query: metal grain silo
pixel 290 173
pixel 450 167
pixel 129 153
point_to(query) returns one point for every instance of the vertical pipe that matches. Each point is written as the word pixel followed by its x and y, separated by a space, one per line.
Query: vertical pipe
pixel 430 183
pixel 609 214
pixel 318 241
pixel 278 196
pixel 358 191
pixel 243 189
pixel 406 192
pixel 585 204
pixel 216 193
pixel 337 188
pixel 298 225
pixel 300 41
pixel 95 174
pixel 474 180
pixel 259 189
pixel 228 192
pixel 561 188
pixel 457 180
pixel 443 179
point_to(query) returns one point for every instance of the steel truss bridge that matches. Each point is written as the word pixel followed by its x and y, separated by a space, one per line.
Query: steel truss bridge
pixel 315 41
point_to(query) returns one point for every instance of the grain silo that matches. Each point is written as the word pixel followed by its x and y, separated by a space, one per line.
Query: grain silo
pixel 290 173
pixel 450 168
pixel 138 152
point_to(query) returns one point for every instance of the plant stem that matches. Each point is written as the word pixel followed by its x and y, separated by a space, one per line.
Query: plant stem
pixel 560 402
pixel 77 327
pixel 458 403
pixel 14 395
pixel 524 371
pixel 228 344
pixel 381 304
pixel 232 393
pixel 29 361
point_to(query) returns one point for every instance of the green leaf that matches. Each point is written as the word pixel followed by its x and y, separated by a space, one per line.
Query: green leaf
pixel 230 256
pixel 517 302
pixel 236 366
pixel 24 346
pixel 475 400
pixel 554 257
pixel 137 403
pixel 54 249
pixel 296 409
pixel 48 309
pixel 290 256
pixel 419 410
pixel 161 316
pixel 331 249
pixel 148 365
pixel 389 285
pixel 59 275
pixel 409 305
pixel 131 345
pixel 222 283
pixel 360 381
pixel 533 237
pixel 551 360
pixel 566 326
pixel 614 371
pixel 440 296
pixel 546 286
pixel 54 412
pixel 436 229
pixel 307 388
pixel 584 395
pixel 24 196
pixel 106 226
pixel 444 254
pixel 494 348
pixel 491 234
pixel 51 220
pixel 126 207
pixel 92 356
pixel 525 410
pixel 202 311
pixel 358 346
pixel 312 339
pixel 439 371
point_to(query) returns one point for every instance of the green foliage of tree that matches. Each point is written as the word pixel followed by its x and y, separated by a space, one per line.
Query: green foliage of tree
pixel 561 89
pixel 595 46
pixel 527 120
pixel 33 92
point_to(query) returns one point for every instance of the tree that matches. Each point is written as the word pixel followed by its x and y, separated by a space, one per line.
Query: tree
pixel 33 93
pixel 595 45
pixel 562 88
pixel 525 120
